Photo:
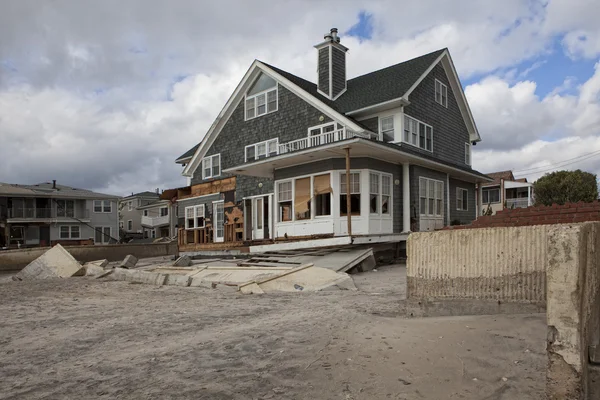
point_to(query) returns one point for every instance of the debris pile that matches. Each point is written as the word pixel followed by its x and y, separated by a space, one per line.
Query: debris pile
pixel 257 275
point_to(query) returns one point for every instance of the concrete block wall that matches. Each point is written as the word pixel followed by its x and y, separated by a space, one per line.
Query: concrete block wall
pixel 505 264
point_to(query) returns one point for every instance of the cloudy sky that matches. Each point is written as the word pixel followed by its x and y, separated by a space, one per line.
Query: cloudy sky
pixel 106 94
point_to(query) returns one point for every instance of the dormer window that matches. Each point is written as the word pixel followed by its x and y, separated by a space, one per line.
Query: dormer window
pixel 261 98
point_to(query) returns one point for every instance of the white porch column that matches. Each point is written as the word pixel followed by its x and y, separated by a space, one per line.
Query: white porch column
pixel 479 200
pixel 528 196
pixel 405 198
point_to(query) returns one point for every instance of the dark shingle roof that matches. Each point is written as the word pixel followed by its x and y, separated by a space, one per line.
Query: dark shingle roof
pixel 365 90
pixel 143 194
pixel 189 153
pixel 372 88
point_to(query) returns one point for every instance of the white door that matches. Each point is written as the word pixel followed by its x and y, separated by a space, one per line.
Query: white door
pixel 258 223
pixel 219 224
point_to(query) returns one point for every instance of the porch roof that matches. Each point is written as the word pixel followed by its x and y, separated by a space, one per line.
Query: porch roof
pixel 359 147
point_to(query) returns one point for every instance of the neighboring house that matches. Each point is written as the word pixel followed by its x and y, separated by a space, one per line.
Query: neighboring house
pixel 47 213
pixel 376 156
pixel 158 219
pixel 130 218
pixel 506 192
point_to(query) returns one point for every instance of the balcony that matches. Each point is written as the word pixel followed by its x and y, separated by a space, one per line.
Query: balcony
pixel 155 221
pixel 46 213
pixel 319 140
pixel 522 202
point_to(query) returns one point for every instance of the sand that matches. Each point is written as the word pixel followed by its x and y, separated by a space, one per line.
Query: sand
pixel 83 338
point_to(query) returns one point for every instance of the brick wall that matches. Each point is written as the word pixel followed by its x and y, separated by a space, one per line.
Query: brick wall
pixel 540 215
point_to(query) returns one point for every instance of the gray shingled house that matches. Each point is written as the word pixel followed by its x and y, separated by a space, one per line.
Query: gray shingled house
pixel 369 159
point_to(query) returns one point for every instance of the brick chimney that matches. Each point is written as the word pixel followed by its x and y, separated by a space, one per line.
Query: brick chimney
pixel 331 66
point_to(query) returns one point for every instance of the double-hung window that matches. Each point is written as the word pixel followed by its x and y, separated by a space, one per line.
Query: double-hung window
pixel 418 133
pixel 105 206
pixel 322 194
pixel 462 196
pixel 256 151
pixel 164 211
pixel 441 93
pixel 69 232
pixel 491 195
pixel 374 198
pixel 353 191
pixel 468 153
pixel 261 98
pixel 194 217
pixel 431 197
pixel 380 186
pixel 211 166
pixel 284 196
pixel 386 126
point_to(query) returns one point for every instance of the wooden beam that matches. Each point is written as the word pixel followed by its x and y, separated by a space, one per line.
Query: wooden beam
pixel 348 203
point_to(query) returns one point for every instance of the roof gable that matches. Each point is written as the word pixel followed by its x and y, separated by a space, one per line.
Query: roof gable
pixel 255 69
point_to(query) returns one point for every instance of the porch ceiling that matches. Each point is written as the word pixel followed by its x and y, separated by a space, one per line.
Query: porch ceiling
pixel 358 148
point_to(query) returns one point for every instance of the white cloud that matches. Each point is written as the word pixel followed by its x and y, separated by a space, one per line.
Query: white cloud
pixel 107 94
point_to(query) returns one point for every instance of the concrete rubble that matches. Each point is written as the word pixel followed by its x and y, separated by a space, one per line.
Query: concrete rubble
pixel 128 262
pixel 54 263
pixel 183 261
pixel 95 268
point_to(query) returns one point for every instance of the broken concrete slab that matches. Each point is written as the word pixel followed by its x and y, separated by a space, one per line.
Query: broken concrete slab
pixel 105 274
pixel 151 278
pixel 183 261
pixel 178 280
pixel 129 262
pixel 93 270
pixel 54 263
pixel 99 263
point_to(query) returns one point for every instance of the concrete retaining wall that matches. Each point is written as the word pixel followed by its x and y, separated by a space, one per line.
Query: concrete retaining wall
pixel 17 259
pixel 499 264
pixel 573 311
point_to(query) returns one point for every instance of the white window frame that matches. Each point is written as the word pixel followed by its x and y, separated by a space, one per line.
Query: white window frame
pixel 160 211
pixel 286 200
pixel 411 133
pixel 70 228
pixel 104 239
pixel 459 199
pixel 254 98
pixel 266 143
pixel 129 205
pixel 128 228
pixel 342 180
pixel 393 130
pixel 443 93
pixel 197 211
pixel 468 158
pixel 487 191
pixel 102 203
pixel 145 213
pixel 429 196
pixel 209 160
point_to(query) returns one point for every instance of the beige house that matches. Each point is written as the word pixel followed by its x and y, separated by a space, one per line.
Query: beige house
pixel 506 192
pixel 130 218
pixel 158 219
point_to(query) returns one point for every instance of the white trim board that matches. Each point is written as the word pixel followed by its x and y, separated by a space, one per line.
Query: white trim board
pixel 239 93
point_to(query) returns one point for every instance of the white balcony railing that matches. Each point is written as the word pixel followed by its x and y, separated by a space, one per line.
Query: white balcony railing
pixel 318 140
pixel 517 203
pixel 155 221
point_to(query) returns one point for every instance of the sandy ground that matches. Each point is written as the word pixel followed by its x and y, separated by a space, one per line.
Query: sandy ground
pixel 82 338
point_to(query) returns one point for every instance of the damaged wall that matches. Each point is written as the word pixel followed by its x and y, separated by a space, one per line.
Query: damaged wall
pixel 507 264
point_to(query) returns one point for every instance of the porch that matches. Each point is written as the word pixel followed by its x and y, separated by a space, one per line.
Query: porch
pixel 518 194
